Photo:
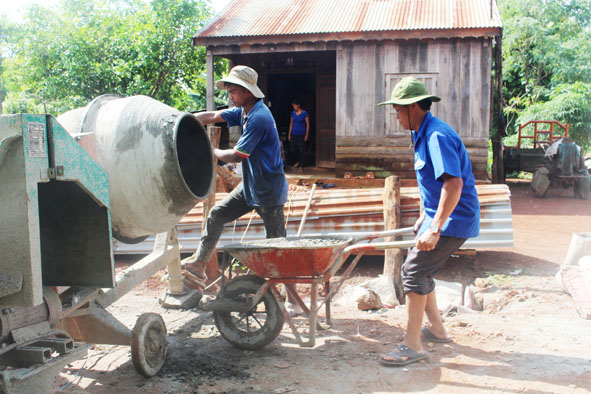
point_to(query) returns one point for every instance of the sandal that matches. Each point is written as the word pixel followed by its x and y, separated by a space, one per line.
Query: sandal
pixel 402 355
pixel 428 336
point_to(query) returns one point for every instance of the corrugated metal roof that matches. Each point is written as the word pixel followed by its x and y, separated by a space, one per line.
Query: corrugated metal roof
pixel 296 17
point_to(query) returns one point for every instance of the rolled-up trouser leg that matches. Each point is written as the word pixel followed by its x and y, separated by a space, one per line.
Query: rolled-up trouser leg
pixel 229 209
pixel 274 220
pixel 420 266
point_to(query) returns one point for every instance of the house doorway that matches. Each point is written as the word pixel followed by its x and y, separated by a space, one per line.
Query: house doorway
pixel 282 90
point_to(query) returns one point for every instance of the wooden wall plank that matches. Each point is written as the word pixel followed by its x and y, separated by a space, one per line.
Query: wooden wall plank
pixel 458 70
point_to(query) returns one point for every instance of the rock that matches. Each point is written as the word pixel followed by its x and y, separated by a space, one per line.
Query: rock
pixel 384 286
pixel 281 365
pixel 541 181
pixel 471 301
pixel 449 295
pixel 369 300
pixel 480 282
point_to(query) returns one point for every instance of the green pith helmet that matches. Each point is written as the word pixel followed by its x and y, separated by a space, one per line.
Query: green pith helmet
pixel 409 90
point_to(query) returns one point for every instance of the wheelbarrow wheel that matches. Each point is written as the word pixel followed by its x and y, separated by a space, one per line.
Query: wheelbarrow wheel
pixel 256 328
pixel 148 344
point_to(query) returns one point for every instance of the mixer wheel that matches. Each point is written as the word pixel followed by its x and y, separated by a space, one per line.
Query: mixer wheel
pixel 148 344
pixel 256 328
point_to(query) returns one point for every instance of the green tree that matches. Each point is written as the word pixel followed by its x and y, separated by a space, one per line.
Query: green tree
pixel 546 48
pixel 84 48
pixel 567 101
pixel 6 32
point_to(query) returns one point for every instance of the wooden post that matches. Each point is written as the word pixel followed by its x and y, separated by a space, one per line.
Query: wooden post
pixel 392 216
pixel 498 167
pixel 212 266
pixel 209 87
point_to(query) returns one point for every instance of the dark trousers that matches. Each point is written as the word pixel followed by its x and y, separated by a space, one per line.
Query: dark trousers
pixel 419 267
pixel 231 208
pixel 297 147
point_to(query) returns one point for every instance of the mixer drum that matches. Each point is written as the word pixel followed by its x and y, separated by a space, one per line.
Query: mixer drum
pixel 159 160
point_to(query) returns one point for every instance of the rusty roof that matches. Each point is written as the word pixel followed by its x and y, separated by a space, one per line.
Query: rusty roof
pixel 247 18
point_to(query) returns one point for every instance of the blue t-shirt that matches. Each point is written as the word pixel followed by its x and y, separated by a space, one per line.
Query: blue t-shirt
pixel 439 150
pixel 262 167
pixel 299 123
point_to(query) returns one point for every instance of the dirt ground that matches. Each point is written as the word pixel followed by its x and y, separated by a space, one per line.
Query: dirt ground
pixel 529 338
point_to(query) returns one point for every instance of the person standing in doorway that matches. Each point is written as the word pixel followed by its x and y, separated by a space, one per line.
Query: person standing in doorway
pixel 299 132
pixel 450 214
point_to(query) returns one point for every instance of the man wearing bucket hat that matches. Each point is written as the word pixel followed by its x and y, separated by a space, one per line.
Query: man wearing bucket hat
pixel 263 187
pixel 450 214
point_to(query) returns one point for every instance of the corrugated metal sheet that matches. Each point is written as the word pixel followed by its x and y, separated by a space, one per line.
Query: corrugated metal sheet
pixel 344 212
pixel 295 17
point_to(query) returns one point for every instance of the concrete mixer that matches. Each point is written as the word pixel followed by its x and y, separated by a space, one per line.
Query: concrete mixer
pixel 124 167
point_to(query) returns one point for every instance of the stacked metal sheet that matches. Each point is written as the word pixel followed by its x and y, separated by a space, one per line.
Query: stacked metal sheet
pixel 343 212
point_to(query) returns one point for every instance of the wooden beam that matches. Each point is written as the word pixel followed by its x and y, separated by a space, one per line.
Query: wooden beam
pixel 392 220
pixel 498 167
pixel 210 81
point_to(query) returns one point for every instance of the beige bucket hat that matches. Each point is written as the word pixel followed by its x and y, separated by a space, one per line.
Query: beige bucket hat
pixel 242 76
pixel 409 90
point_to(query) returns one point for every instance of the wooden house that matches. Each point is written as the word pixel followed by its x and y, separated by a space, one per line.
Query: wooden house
pixel 340 58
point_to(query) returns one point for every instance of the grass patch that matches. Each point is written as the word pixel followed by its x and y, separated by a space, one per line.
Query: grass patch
pixel 498 280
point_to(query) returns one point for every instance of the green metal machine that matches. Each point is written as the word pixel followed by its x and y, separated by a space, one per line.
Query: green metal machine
pixel 54 231
pixel 57 271
pixel 55 221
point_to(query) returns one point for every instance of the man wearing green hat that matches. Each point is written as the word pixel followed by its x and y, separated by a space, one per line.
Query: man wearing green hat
pixel 450 214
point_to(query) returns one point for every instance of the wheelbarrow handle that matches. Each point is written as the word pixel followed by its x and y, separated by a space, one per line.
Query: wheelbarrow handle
pixel 383 234
pixel 354 249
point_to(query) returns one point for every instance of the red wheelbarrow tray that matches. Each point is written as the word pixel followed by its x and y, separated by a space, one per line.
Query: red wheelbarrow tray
pixel 307 256
pixel 290 257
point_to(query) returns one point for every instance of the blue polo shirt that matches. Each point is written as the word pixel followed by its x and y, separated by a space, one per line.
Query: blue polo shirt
pixel 299 123
pixel 439 150
pixel 263 178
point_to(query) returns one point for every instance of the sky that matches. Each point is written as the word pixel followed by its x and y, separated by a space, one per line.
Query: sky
pixel 14 8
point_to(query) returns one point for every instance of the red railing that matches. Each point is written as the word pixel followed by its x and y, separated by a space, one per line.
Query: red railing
pixel 543 135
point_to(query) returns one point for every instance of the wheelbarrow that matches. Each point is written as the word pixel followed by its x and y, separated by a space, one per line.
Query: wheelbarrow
pixel 249 311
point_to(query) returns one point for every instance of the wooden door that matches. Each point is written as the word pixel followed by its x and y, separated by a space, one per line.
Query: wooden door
pixel 325 121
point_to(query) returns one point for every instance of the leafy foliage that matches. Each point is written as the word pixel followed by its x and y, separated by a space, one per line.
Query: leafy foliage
pixel 63 58
pixel 546 71
pixel 567 101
